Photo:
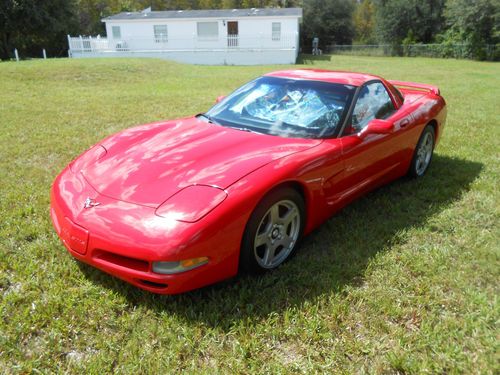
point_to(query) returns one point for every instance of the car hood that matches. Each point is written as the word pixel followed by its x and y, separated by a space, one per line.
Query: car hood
pixel 148 164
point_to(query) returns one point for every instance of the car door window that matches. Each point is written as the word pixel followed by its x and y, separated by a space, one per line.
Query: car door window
pixel 373 102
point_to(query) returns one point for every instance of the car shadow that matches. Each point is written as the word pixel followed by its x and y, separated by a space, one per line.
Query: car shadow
pixel 334 256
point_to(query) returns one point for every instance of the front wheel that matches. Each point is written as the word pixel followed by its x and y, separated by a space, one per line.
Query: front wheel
pixel 423 153
pixel 273 231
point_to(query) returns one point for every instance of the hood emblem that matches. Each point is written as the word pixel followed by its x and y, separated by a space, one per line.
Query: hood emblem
pixel 89 202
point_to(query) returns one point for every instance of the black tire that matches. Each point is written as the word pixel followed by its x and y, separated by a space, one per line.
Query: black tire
pixel 279 220
pixel 423 153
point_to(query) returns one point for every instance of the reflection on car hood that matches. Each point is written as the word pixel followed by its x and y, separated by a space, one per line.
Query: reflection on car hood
pixel 148 164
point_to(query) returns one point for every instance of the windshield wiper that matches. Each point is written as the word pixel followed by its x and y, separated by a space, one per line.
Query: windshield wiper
pixel 212 121
pixel 209 118
pixel 243 129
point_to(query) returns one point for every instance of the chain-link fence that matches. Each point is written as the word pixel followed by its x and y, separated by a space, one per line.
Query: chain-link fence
pixel 490 52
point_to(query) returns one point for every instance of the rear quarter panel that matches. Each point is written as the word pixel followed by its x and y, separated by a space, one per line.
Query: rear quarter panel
pixel 424 107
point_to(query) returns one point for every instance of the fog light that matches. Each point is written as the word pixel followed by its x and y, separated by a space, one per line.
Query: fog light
pixel 169 268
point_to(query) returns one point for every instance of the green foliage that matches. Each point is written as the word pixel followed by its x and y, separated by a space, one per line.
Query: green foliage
pixel 418 20
pixel 474 24
pixel 329 20
pixel 402 281
pixel 410 49
pixel 30 25
pixel 364 22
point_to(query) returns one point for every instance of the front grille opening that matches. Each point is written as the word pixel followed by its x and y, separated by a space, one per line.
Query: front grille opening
pixel 122 261
pixel 152 284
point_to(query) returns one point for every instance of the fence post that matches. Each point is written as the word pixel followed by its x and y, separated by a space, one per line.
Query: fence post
pixel 69 46
pixel 44 54
pixel 16 54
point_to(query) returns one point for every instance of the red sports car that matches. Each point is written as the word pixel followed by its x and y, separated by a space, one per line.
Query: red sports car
pixel 176 205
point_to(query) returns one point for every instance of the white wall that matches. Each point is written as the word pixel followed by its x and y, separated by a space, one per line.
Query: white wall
pixel 254 32
pixel 254 43
pixel 228 57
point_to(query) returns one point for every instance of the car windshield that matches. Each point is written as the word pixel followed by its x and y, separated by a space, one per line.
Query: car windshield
pixel 285 107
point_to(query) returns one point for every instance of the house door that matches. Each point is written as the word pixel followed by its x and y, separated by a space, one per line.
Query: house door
pixel 232 34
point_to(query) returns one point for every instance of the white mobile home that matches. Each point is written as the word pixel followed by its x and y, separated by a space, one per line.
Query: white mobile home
pixel 212 37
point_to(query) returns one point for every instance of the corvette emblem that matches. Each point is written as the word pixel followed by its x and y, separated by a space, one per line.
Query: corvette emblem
pixel 89 202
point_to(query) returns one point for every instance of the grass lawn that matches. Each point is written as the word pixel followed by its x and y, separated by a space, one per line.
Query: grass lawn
pixel 405 280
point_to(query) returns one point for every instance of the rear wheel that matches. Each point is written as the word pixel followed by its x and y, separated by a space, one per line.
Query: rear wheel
pixel 423 153
pixel 273 231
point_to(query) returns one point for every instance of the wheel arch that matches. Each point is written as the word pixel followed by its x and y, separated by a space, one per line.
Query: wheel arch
pixel 296 185
pixel 435 126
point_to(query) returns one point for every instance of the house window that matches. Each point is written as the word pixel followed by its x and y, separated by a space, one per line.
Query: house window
pixel 116 31
pixel 161 33
pixel 208 30
pixel 276 31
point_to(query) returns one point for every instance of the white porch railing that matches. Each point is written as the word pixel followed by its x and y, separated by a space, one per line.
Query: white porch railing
pixel 87 44
pixel 232 41
pixel 96 45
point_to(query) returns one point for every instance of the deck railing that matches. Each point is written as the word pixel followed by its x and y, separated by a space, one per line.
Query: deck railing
pixel 186 44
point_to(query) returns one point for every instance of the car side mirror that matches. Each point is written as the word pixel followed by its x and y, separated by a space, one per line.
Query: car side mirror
pixel 220 98
pixel 378 126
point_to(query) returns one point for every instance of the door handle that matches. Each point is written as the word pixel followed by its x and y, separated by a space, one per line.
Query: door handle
pixel 404 123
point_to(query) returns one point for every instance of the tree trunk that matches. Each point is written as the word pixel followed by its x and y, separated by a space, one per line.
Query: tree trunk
pixel 5 48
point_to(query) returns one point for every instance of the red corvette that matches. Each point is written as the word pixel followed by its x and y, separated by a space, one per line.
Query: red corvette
pixel 177 205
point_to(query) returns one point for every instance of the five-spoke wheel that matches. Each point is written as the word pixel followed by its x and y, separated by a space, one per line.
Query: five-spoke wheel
pixel 277 234
pixel 273 231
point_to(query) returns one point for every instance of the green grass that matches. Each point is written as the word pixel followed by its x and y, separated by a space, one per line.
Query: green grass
pixel 404 280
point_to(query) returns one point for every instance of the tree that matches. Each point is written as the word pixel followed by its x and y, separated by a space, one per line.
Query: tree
pixel 30 25
pixel 364 20
pixel 209 4
pixel 329 20
pixel 473 23
pixel 419 20
pixel 89 14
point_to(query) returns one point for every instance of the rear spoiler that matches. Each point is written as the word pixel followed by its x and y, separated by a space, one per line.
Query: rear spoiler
pixel 416 86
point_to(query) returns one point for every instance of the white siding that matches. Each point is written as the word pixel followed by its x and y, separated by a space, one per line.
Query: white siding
pixel 186 30
pixel 254 44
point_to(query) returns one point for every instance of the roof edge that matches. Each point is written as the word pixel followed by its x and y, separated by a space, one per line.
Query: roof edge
pixel 205 13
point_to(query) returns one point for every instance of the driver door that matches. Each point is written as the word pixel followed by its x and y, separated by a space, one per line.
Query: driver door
pixel 370 158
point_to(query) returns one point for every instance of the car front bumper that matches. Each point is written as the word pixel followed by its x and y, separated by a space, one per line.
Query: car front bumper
pixel 124 239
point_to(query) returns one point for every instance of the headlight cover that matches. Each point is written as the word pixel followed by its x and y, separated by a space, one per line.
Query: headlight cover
pixel 88 157
pixel 191 203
